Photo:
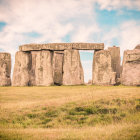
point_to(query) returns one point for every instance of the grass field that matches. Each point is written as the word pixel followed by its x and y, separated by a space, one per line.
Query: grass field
pixel 70 113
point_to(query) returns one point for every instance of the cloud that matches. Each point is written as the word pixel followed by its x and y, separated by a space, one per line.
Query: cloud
pixel 84 34
pixel 52 19
pixel 118 4
pixel 127 35
pixel 130 32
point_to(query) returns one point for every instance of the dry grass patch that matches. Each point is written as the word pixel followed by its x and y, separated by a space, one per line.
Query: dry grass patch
pixel 110 132
pixel 70 113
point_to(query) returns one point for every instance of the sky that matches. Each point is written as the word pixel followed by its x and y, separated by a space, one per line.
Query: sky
pixel 112 22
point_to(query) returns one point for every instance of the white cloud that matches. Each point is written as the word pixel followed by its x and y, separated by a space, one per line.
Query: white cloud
pixel 51 18
pixel 118 4
pixel 84 34
pixel 127 34
pixel 130 32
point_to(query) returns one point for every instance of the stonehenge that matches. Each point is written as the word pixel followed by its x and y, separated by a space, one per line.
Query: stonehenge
pixel 60 64
pixel 50 64
pixel 5 69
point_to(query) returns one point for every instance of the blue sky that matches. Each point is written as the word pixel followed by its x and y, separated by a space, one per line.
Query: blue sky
pixel 115 22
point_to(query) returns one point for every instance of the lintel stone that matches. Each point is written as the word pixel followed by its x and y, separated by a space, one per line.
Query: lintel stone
pixel 62 46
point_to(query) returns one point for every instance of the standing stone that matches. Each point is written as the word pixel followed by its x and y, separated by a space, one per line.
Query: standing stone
pixel 115 60
pixel 41 73
pixel 102 68
pixel 131 68
pixel 21 69
pixel 138 46
pixel 58 59
pixel 33 69
pixel 73 71
pixel 5 69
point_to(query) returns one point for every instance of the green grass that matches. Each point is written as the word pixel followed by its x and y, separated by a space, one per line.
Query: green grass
pixel 70 113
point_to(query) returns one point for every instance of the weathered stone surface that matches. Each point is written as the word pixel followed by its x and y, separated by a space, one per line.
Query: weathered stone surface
pixel 131 67
pixel 5 69
pixel 38 47
pixel 73 71
pixel 33 69
pixel 88 46
pixel 103 73
pixel 115 60
pixel 21 69
pixel 41 73
pixel 58 59
pixel 62 46
pixel 138 46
